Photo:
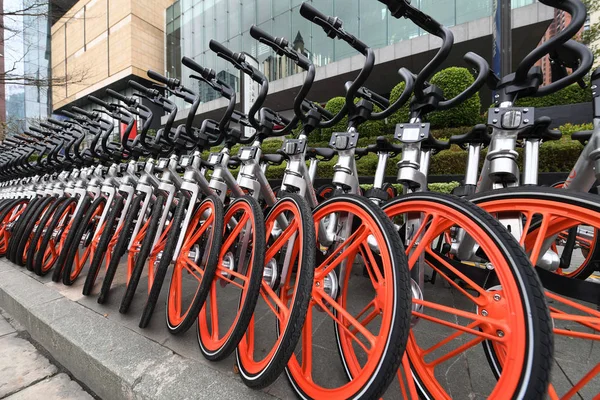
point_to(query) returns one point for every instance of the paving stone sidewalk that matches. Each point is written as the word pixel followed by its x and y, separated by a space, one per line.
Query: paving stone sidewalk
pixel 26 374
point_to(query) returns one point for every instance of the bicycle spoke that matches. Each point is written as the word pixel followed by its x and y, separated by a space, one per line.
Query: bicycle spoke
pixel 351 244
pixel 307 336
pixel 477 300
pixel 231 237
pixel 282 240
pixel 464 314
pixel 324 301
pixel 280 310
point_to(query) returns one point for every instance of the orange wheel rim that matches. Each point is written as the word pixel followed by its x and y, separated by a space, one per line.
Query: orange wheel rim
pixel 277 302
pixel 176 307
pixel 353 327
pixel 158 247
pixel 504 318
pixel 82 258
pixel 557 217
pixel 210 322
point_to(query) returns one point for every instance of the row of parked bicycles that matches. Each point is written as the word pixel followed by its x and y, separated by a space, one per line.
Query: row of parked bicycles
pixel 345 293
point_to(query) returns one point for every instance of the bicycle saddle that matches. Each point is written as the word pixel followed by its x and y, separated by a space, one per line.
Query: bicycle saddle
pixel 478 135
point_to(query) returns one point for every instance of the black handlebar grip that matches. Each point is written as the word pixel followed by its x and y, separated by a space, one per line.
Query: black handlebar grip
pixel 81 111
pixel 117 95
pixel 57 122
pixel 68 114
pixel 158 77
pixel 220 49
pixel 99 102
pixel 312 14
pixel 258 34
pixel 138 86
pixel 206 73
pixel 46 125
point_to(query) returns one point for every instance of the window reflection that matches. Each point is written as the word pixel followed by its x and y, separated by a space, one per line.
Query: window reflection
pixel 190 24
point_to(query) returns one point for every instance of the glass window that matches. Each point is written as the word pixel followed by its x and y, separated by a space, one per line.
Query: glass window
pixel 170 13
pixel 186 5
pixel 209 21
pixel 200 41
pixel 347 11
pixel 301 32
pixel 248 14
pixel 176 9
pixel 235 18
pixel 401 29
pixel 443 11
pixel 321 46
pixel 373 23
pixel 467 10
pixel 262 50
pixel 263 12
pixel 249 44
pixel 187 40
pixel 281 25
pixel 280 6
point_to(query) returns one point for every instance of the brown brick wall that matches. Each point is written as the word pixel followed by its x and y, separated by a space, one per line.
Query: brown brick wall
pixel 102 40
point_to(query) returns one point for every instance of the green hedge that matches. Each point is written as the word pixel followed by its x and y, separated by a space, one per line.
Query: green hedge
pixel 569 129
pixel 454 81
pixel 555 156
pixel 434 187
pixel 570 95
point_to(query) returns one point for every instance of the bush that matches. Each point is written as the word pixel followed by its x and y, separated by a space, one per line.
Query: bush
pixel 443 187
pixel 453 81
pixel 569 129
pixel 447 187
pixel 570 95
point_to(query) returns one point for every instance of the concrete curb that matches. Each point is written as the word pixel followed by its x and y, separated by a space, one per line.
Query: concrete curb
pixel 113 361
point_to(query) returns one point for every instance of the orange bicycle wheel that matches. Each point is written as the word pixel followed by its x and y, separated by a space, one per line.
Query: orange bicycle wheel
pixel 496 299
pixel 235 287
pixel 573 303
pixel 279 315
pixel 370 311
pixel 54 237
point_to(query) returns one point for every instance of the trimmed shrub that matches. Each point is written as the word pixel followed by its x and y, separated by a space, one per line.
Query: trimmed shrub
pixel 572 94
pixel 453 81
pixel 443 187
pixel 568 129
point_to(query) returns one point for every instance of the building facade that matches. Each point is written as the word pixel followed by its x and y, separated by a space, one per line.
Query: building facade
pixel 105 43
pixel 192 23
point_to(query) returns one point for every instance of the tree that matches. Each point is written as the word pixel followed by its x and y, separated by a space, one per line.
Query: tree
pixel 16 19
pixel 591 36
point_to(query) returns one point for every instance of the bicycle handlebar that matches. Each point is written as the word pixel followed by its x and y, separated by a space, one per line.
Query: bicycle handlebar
pixel 82 112
pixel 333 29
pixel 586 60
pixel 483 72
pixel 129 101
pixel 238 60
pixel 99 102
pixel 206 73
